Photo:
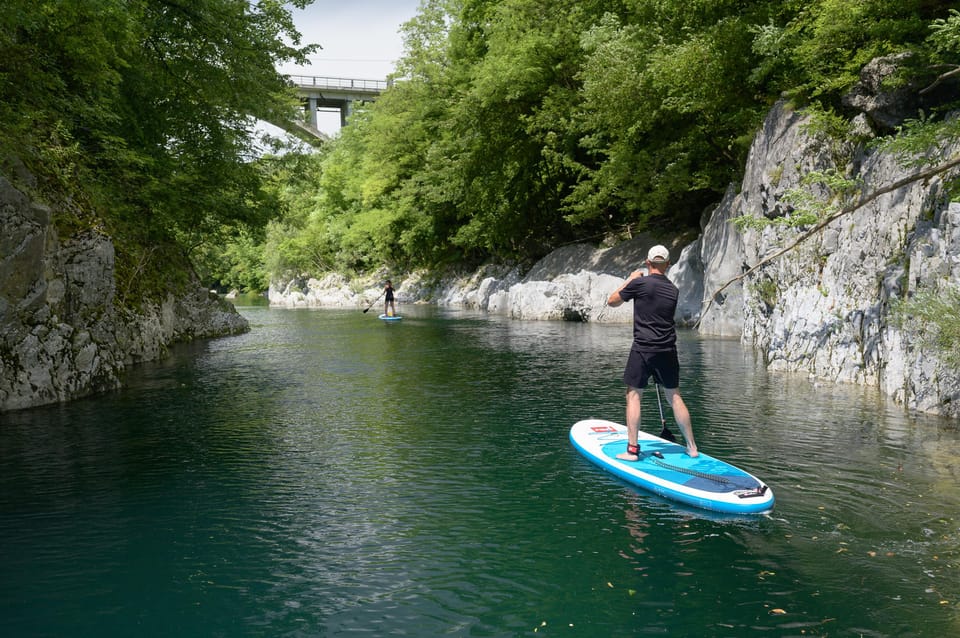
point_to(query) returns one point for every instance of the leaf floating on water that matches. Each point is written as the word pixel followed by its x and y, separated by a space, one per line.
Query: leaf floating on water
pixel 872 554
pixel 632 592
pixel 778 612
pixel 610 585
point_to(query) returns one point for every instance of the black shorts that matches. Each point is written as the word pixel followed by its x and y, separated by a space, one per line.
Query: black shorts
pixel 663 366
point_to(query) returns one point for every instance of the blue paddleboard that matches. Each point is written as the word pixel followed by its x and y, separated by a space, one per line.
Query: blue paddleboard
pixel 665 469
pixel 391 317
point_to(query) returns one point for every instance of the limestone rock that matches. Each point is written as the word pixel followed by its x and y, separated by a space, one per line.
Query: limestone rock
pixel 61 335
pixel 825 307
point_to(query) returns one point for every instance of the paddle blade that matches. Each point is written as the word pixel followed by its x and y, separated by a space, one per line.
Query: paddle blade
pixel 667 435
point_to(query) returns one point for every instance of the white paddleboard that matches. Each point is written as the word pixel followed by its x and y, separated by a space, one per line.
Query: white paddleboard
pixel 665 469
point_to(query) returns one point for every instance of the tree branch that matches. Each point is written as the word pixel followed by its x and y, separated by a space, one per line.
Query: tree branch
pixel 941 78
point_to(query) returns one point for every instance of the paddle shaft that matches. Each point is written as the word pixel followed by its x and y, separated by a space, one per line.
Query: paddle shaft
pixel 375 301
pixel 665 432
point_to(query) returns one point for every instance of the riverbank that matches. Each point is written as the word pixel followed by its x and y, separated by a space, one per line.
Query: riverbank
pixel 62 336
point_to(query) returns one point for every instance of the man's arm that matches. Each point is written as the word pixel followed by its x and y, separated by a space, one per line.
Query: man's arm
pixel 615 299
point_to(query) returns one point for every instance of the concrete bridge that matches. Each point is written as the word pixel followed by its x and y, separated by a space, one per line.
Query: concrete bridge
pixel 333 93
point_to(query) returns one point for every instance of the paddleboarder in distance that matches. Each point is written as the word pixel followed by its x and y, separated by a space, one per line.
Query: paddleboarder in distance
pixel 388 308
pixel 654 349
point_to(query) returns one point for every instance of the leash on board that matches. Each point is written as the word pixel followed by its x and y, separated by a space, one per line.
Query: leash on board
pixel 683 470
pixel 759 490
pixel 666 434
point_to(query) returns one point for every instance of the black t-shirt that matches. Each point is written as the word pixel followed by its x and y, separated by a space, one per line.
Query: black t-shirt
pixel 654 306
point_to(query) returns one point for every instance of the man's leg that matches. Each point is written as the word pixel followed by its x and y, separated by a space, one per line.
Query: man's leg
pixel 633 421
pixel 682 416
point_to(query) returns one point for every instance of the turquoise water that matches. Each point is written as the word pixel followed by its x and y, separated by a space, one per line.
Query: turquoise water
pixel 330 474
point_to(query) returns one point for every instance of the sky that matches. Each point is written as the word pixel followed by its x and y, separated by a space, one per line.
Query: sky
pixel 360 39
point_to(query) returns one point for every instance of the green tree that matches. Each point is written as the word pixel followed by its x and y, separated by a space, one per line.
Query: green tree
pixel 142 112
pixel 513 126
pixel 672 109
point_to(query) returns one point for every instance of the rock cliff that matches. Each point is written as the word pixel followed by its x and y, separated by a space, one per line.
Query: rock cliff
pixel 61 334
pixel 826 306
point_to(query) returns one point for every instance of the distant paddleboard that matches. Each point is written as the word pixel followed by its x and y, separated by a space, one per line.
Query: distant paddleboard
pixel 391 317
pixel 665 469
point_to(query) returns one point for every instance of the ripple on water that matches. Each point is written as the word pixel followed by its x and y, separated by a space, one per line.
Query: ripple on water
pixel 326 474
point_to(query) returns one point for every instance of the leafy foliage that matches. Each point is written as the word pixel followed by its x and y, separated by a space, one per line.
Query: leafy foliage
pixel 236 265
pixel 138 114
pixel 932 316
pixel 514 126
pixel 511 126
pixel 945 36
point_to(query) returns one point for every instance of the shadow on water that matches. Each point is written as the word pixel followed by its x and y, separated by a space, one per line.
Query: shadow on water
pixel 328 473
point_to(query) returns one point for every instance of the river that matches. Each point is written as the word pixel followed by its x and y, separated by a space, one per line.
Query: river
pixel 330 474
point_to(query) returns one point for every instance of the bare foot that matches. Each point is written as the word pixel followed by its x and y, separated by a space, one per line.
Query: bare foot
pixel 626 456
pixel 692 451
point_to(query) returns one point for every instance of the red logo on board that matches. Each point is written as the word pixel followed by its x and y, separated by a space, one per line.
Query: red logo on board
pixel 603 428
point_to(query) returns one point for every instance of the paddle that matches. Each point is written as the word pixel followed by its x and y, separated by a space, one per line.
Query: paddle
pixel 375 301
pixel 665 433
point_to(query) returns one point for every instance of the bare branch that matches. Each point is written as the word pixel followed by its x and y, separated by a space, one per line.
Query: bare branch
pixel 941 78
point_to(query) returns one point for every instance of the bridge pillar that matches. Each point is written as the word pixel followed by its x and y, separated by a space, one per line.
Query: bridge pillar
pixel 343 106
pixel 312 109
pixel 321 93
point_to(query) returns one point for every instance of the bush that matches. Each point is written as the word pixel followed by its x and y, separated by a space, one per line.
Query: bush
pixel 934 316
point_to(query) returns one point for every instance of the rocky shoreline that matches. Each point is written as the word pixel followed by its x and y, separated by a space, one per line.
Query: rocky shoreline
pixel 62 337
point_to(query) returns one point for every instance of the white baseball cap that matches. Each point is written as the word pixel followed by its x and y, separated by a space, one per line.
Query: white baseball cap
pixel 658 254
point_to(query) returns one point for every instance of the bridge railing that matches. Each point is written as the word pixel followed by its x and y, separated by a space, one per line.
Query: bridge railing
pixel 343 84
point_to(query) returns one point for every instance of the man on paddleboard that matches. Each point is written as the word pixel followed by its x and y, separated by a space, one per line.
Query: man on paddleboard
pixel 654 349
